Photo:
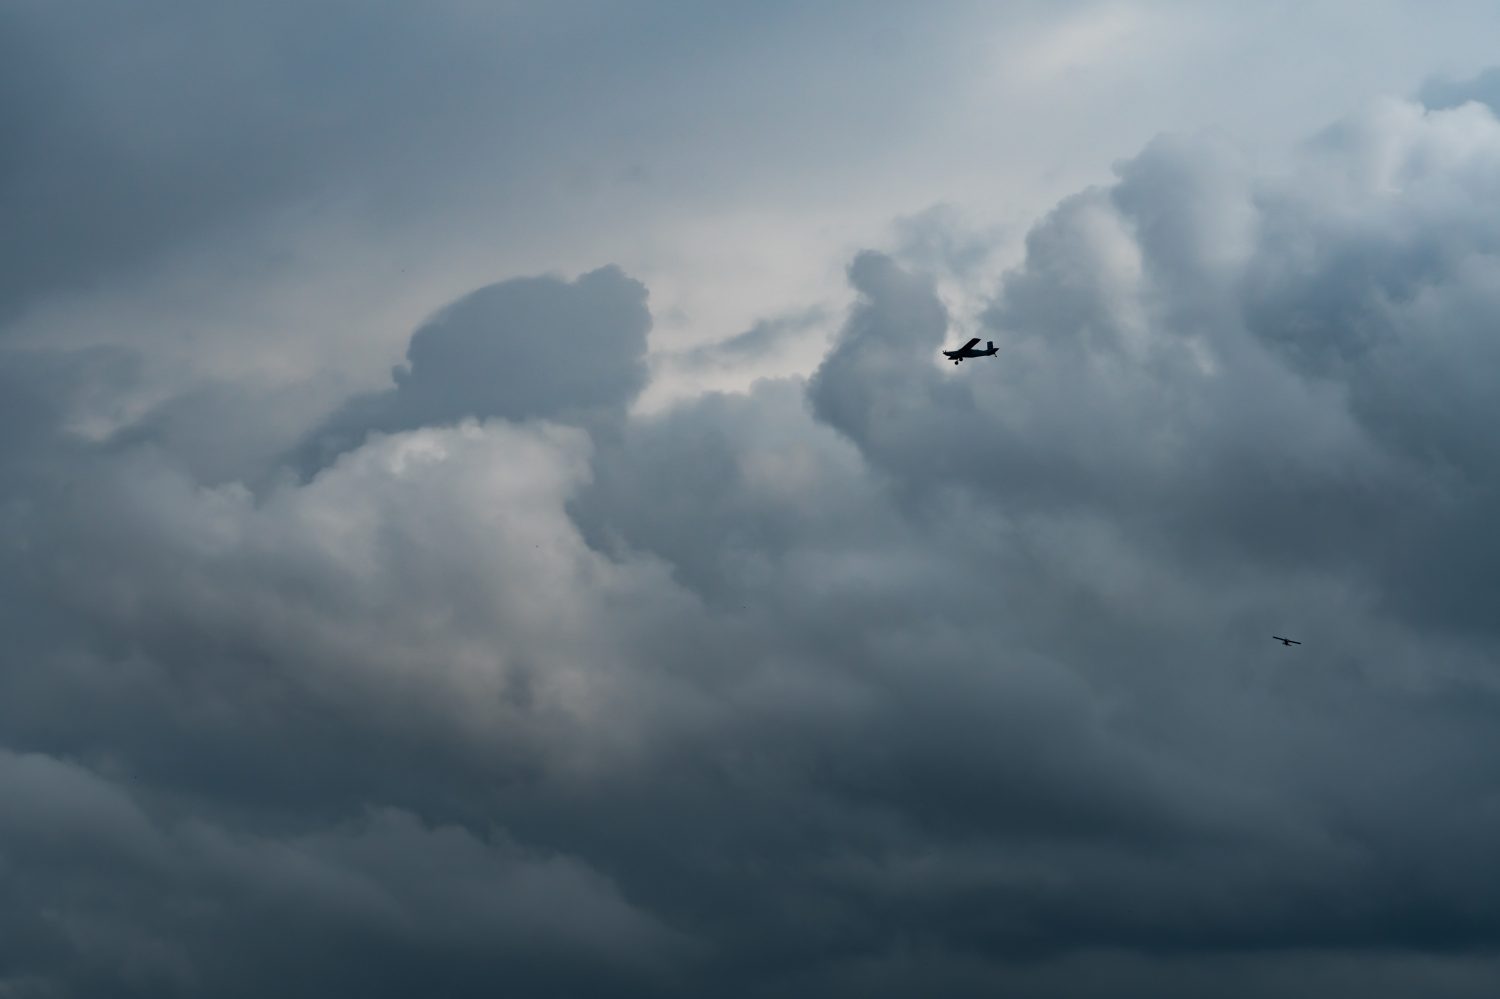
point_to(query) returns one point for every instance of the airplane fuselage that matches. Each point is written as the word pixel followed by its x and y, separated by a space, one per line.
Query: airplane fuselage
pixel 969 350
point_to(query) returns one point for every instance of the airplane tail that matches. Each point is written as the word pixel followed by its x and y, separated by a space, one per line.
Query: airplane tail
pixel 989 345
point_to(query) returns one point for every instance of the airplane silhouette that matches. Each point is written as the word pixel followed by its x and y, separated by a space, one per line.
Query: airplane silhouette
pixel 967 350
pixel 1286 641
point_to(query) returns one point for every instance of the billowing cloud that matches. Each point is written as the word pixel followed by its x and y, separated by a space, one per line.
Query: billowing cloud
pixel 895 678
pixel 135 902
pixel 529 348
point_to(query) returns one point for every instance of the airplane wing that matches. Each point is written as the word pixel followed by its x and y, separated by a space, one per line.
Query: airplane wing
pixel 969 344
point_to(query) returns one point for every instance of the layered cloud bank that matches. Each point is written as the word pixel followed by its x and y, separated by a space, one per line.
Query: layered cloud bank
pixel 897 679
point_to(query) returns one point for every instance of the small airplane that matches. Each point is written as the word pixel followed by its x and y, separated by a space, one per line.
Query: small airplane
pixel 1286 641
pixel 967 350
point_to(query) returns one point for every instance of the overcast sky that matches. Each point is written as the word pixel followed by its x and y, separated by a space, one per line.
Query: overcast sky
pixel 482 509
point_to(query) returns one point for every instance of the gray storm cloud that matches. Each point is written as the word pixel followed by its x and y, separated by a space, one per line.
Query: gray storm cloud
pixel 530 348
pixel 212 120
pixel 900 679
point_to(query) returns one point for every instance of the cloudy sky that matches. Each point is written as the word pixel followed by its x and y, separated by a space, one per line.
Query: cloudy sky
pixel 482 509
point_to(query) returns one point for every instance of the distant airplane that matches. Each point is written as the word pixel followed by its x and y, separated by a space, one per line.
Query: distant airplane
pixel 1286 641
pixel 967 350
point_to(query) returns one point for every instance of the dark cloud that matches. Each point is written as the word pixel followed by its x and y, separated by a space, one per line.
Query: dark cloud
pixel 51 399
pixel 187 906
pixel 901 678
pixel 531 348
pixel 117 158
pixel 171 130
pixel 1442 93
